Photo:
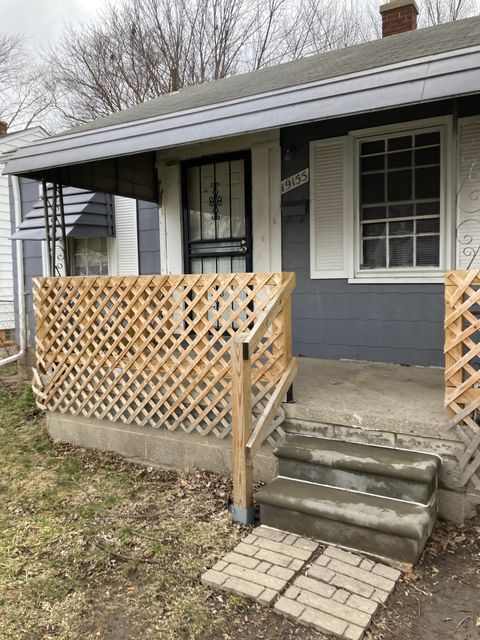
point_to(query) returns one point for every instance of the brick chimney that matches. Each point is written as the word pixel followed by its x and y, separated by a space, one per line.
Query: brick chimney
pixel 398 16
pixel 3 128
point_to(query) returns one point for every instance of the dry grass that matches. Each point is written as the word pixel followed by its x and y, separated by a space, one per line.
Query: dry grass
pixel 94 547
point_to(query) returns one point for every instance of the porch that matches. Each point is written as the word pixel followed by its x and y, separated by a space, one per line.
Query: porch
pixel 165 368
pixel 366 402
pixel 369 396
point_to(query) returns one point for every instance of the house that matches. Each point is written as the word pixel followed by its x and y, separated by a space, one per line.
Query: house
pixel 9 143
pixel 279 122
pixel 355 169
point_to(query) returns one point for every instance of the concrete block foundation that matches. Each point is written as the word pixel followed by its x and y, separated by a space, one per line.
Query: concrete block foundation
pixel 183 450
pixel 156 446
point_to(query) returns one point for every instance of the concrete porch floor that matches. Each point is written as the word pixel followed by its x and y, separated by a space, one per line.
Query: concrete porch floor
pixel 371 396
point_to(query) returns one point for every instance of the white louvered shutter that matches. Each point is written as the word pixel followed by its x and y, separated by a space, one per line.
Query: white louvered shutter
pixel 327 208
pixel 468 202
pixel 126 236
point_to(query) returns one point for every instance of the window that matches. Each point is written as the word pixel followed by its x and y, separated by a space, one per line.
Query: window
pixel 89 257
pixel 400 201
pixel 381 203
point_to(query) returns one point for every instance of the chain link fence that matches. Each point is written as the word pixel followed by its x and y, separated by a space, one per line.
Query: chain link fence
pixel 7 328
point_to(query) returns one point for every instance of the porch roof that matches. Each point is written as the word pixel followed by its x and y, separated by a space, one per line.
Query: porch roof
pixel 413 67
pixel 87 215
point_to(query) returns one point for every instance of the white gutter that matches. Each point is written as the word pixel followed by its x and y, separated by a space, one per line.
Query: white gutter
pixel 20 277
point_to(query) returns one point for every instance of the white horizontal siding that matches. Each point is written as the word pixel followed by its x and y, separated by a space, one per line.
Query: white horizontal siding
pixel 6 273
pixel 9 144
pixel 13 141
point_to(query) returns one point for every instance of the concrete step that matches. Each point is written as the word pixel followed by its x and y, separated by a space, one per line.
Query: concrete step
pixel 394 473
pixel 392 530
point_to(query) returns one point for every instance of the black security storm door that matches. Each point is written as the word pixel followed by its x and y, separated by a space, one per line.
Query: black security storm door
pixel 217 207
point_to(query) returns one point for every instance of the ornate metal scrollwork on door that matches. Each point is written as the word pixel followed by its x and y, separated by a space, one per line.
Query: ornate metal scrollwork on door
pixel 468 243
pixel 215 200
pixel 468 197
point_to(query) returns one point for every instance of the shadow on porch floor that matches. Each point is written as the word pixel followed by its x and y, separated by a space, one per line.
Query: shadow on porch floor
pixel 368 395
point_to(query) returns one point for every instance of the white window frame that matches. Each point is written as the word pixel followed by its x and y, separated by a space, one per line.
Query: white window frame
pixel 403 274
pixel 112 256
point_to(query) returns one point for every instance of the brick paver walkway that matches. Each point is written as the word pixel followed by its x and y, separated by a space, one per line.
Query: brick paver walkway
pixel 331 590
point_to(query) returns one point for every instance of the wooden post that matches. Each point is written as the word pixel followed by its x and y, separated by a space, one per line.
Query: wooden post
pixel 287 336
pixel 243 510
pixel 452 328
pixel 286 319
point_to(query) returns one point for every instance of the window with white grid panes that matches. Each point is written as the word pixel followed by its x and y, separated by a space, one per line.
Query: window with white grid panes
pixel 400 200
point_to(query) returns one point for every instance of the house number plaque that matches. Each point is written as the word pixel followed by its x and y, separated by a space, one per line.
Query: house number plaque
pixel 295 181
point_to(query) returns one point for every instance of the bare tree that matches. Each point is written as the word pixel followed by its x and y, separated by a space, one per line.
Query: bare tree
pixel 326 25
pixel 139 49
pixel 11 56
pixel 434 12
pixel 21 101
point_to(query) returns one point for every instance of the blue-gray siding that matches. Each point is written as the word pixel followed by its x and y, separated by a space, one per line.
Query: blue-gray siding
pixel 148 238
pixel 400 323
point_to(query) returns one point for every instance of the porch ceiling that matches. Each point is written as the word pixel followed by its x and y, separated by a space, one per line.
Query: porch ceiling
pixel 133 176
pixel 116 154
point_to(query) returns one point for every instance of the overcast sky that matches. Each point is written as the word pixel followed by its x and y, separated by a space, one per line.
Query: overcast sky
pixel 43 20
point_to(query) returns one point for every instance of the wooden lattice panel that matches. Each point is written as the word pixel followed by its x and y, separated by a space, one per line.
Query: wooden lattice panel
pixel 153 349
pixel 462 367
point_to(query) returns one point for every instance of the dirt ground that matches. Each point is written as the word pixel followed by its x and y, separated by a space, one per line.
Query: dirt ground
pixel 440 599
pixel 93 546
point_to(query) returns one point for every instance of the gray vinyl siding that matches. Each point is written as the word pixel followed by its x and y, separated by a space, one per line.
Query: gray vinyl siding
pixel 381 323
pixel 400 323
pixel 148 227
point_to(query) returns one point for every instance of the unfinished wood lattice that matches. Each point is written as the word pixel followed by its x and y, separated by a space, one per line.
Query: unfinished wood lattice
pixel 153 349
pixel 462 368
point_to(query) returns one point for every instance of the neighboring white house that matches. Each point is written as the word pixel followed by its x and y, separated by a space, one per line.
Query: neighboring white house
pixel 9 143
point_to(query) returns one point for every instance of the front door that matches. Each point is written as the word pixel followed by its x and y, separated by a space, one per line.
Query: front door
pixel 217 207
